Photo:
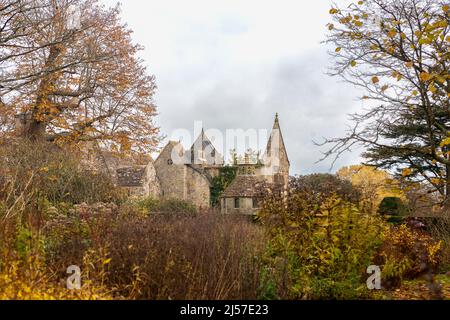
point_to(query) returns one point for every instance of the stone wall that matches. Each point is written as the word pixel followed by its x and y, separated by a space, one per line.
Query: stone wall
pixel 198 188
pixel 172 175
pixel 245 206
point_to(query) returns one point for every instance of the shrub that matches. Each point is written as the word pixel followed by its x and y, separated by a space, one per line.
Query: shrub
pixel 167 206
pixel 440 231
pixel 322 250
pixel 165 256
pixel 393 208
pixel 407 254
pixel 37 174
pixel 323 186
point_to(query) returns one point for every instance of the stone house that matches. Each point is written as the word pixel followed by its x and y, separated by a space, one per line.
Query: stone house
pixel 188 174
pixel 243 196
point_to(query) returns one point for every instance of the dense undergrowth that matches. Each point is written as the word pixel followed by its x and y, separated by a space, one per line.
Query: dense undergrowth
pixel 314 243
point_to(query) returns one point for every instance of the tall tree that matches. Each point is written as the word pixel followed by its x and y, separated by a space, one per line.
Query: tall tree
pixel 398 51
pixel 72 73
pixel 373 185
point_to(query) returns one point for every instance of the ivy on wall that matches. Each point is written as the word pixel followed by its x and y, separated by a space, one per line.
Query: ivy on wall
pixel 221 182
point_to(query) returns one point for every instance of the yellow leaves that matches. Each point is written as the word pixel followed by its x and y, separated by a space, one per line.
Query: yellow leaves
pixel 375 80
pixel 345 20
pixel 106 261
pixel 445 142
pixel 423 41
pixel 436 181
pixel 409 64
pixel 425 76
pixel 446 8
pixel 338 49
pixel 353 63
pixel 334 11
pixel 432 88
pixel 360 2
pixel 384 88
pixel 358 23
pixel 330 26
pixel 440 79
pixel 397 75
pixel 415 93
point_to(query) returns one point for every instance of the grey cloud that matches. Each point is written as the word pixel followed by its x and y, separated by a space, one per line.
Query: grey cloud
pixel 310 103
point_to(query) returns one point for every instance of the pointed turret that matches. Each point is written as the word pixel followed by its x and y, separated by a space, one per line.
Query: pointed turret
pixel 276 124
pixel 276 157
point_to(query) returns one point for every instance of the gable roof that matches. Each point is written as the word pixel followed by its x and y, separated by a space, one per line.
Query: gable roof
pixel 245 186
pixel 203 143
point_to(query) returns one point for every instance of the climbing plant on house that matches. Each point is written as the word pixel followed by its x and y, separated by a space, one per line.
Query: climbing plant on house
pixel 226 176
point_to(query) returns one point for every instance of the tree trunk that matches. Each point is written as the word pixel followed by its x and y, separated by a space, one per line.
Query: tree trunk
pixel 34 128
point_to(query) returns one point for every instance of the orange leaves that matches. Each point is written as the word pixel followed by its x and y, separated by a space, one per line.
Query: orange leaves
pixel 409 64
pixel 425 76
pixel 392 33
pixel 375 80
pixel 407 172
pixel 446 8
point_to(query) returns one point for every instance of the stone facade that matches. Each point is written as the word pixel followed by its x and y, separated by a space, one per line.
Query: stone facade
pixel 188 174
pixel 243 196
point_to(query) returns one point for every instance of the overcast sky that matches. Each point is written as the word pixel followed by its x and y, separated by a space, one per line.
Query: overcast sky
pixel 235 63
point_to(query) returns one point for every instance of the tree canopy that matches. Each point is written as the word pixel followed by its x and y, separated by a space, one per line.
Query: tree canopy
pixel 398 52
pixel 68 81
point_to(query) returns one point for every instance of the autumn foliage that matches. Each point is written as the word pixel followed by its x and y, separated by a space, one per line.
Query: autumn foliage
pixel 71 81
pixel 398 53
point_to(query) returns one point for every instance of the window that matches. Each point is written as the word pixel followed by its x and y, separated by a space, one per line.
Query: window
pixel 237 203
pixel 170 162
pixel 255 203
